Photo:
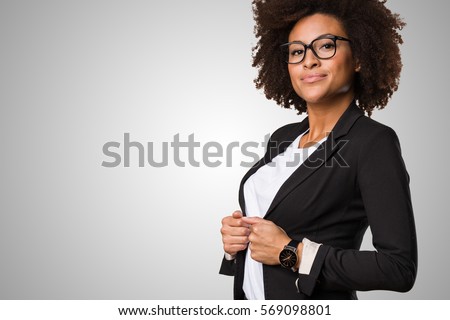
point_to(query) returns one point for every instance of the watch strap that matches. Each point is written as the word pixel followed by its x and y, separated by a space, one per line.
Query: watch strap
pixel 294 244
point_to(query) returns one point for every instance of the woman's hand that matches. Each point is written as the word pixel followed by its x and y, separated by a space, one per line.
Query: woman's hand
pixel 234 233
pixel 266 240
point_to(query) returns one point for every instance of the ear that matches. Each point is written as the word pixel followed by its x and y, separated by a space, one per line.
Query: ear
pixel 357 66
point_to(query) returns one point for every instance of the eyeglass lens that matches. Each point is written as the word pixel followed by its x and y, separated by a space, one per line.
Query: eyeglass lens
pixel 322 48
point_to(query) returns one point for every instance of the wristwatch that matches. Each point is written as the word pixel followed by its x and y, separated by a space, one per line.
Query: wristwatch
pixel 288 256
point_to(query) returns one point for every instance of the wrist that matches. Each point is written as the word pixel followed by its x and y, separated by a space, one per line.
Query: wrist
pixel 299 255
pixel 229 257
pixel 288 257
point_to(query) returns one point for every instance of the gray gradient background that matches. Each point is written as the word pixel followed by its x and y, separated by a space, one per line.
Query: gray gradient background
pixel 75 75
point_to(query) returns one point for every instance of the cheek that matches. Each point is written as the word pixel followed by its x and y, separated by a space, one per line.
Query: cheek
pixel 294 75
pixel 344 73
pixel 291 72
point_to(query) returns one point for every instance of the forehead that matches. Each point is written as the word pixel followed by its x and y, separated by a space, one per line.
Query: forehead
pixel 310 27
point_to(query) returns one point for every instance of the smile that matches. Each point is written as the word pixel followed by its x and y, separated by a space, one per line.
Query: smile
pixel 313 78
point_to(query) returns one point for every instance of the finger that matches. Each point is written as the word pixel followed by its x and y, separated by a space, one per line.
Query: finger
pixel 236 227
pixel 237 231
pixel 232 222
pixel 252 238
pixel 234 231
pixel 234 248
pixel 237 214
pixel 252 220
pixel 230 240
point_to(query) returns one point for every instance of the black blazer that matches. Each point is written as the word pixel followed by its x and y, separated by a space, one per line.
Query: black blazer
pixel 356 179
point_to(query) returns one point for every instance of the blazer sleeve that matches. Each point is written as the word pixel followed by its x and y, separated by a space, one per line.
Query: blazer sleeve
pixel 384 187
pixel 228 267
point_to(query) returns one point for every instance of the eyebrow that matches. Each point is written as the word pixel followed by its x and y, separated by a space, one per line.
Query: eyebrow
pixel 322 35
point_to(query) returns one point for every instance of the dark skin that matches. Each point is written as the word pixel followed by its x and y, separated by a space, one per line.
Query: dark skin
pixel 327 87
pixel 373 29
pixel 263 236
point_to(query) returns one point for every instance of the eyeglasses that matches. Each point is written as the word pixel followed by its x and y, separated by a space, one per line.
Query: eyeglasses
pixel 324 47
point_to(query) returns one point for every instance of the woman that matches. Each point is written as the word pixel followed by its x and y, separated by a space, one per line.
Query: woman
pixel 308 202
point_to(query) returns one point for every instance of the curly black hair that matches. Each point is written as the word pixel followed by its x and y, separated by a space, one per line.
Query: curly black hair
pixel 372 28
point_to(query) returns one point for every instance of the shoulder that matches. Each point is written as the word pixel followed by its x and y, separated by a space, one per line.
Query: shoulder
pixel 376 143
pixel 370 141
pixel 371 131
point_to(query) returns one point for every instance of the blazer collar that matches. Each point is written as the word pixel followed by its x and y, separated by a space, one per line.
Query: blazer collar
pixel 347 120
pixel 310 165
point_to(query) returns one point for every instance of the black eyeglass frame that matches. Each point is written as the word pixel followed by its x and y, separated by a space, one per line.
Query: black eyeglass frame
pixel 310 46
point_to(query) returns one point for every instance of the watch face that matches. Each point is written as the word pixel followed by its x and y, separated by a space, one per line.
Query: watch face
pixel 288 258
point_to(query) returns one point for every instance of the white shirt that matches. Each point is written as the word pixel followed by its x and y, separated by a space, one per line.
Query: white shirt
pixel 259 191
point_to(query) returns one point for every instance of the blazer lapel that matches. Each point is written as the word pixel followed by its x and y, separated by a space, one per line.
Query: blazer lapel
pixel 274 148
pixel 319 157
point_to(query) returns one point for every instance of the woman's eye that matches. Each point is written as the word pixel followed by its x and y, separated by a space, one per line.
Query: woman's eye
pixel 296 52
pixel 327 46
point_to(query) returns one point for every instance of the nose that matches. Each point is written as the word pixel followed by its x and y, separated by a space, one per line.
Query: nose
pixel 310 61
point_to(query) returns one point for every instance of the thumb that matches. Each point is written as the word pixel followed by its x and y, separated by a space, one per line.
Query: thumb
pixel 252 220
pixel 237 214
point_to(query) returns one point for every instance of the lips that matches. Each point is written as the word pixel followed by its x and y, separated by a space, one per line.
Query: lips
pixel 311 78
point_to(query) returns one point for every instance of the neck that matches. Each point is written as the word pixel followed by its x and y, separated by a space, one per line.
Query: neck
pixel 323 117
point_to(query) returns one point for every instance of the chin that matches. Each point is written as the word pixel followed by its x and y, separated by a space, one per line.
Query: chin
pixel 312 95
pixel 324 97
pixel 313 99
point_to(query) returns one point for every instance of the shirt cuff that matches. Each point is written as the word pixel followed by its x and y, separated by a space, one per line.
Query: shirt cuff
pixel 309 253
pixel 229 257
